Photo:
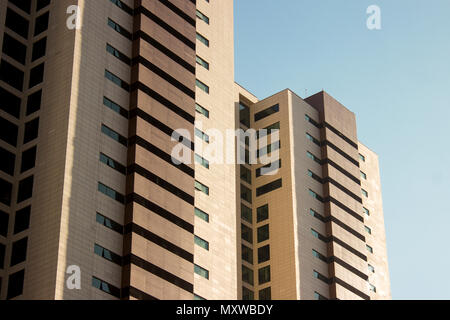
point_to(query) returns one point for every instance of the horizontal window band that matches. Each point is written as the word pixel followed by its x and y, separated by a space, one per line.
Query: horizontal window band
pixel 168 104
pixel 342 244
pixel 150 236
pixel 340 151
pixel 135 168
pixel 153 207
pixel 165 26
pixel 137 294
pixel 179 12
pixel 337 185
pixel 341 135
pixel 342 170
pixel 157 45
pixel 341 224
pixel 159 272
pixel 344 207
pixel 351 288
pixel 347 266
pixel 136 112
pixel 136 140
pixel 162 74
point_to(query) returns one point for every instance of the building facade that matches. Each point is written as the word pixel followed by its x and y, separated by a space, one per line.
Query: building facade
pixel 96 96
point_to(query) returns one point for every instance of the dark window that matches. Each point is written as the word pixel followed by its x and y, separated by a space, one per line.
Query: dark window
pixel 244 115
pixel 109 223
pixel 2 255
pixel 105 287
pixel 25 5
pixel 22 221
pixel 269 168
pixel 15 49
pixel 268 149
pixel 263 213
pixel 265 294
pixel 247 254
pixel 31 130
pixel 42 4
pixel 112 163
pixel 119 29
pixel 28 159
pixel 202 86
pixel 246 213
pixel 36 75
pixel 263 233
pixel 247 294
pixel 11 75
pixel 201 187
pixel 246 233
pixel 34 102
pixel 122 6
pixel 269 187
pixel 9 103
pixel 246 194
pixel 119 55
pixel 111 193
pixel 15 284
pixel 201 271
pixel 247 275
pixel 107 254
pixel 41 23
pixel 264 254
pixel 268 130
pixel 39 49
pixel 203 40
pixel 246 174
pixel 115 107
pixel 7 161
pixel 4 220
pixel 25 189
pixel 264 275
pixel 17 23
pixel 8 132
pixel 267 112
pixel 5 192
pixel 114 135
pixel 116 80
pixel 19 251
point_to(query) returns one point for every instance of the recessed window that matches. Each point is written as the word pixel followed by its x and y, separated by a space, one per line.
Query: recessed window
pixel 42 4
pixel 365 193
pixel 247 275
pixel 269 149
pixel 247 254
pixel 247 294
pixel 34 102
pixel 272 186
pixel 201 187
pixel 39 49
pixel 25 189
pixel 25 5
pixel 246 233
pixel 5 192
pixel 202 86
pixel 201 271
pixel 107 254
pixel 119 29
pixel 31 130
pixel 8 161
pixel 246 174
pixel 202 62
pixel 366 212
pixel 244 115
pixel 116 80
pixel 200 134
pixel 312 139
pixel 198 298
pixel 108 223
pixel 10 103
pixel 111 193
pixel 371 268
pixel 318 296
pixel 115 107
pixel 201 214
pixel 203 17
pixel 263 213
pixel 264 254
pixel 119 55
pixel 15 49
pixel 315 233
pixel 372 288
pixel 268 130
pixel 105 287
pixel 11 75
pixel 19 251
pixel 246 194
pixel 363 175
pixel 201 243
pixel 8 132
pixel 368 230
pixel 15 284
pixel 267 112
pixel 362 158
pixel 246 213
pixel 28 159
pixel 265 294
pixel 17 23
pixel 41 23
pixel 202 39
pixel 112 163
pixel 114 135
pixel 313 157
pixel 202 161
pixel 201 110
pixel 36 75
pixel 22 220
pixel 263 233
pixel 2 255
pixel 369 248
pixel 4 220
pixel 319 256
pixel 264 275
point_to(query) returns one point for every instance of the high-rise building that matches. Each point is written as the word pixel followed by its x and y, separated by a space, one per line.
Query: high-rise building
pixel 95 96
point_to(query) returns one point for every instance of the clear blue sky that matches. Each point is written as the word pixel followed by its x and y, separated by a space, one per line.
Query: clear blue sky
pixel 397 81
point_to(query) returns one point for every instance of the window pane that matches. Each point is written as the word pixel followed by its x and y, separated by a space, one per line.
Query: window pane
pixel 264 275
pixel 263 233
